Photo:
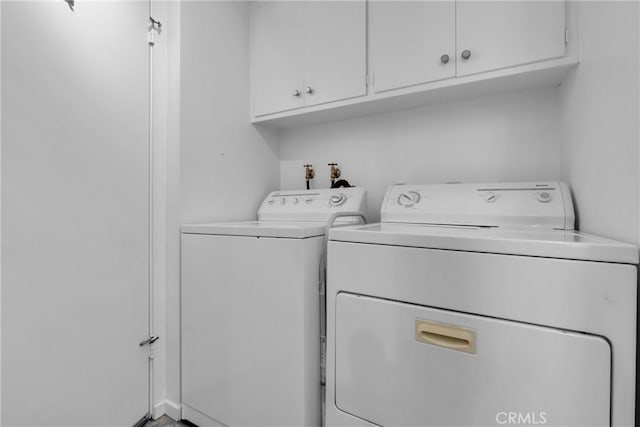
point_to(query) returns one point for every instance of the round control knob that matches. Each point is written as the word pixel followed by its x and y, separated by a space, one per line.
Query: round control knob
pixel 444 58
pixel 283 201
pixel 466 54
pixel 408 199
pixel 337 199
pixel 490 197
pixel 295 201
pixel 271 201
pixel 308 201
pixel 544 197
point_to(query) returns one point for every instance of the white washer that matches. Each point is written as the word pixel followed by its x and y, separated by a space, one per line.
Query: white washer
pixel 250 312
pixel 477 305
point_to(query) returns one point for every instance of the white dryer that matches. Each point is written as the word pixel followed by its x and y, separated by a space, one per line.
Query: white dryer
pixel 478 305
pixel 251 312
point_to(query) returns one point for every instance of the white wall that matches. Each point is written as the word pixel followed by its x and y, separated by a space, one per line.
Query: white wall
pixel 502 138
pixel 600 116
pixel 226 165
pixel 74 213
pixel 599 110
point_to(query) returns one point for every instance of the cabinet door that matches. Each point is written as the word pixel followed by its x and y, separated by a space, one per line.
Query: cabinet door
pixel 500 34
pixel 276 54
pixel 408 40
pixel 335 51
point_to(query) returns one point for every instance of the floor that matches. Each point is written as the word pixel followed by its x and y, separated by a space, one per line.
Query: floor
pixel 164 421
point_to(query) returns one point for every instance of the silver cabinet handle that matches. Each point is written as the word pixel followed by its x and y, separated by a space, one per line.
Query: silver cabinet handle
pixel 444 58
pixel 308 90
pixel 296 92
pixel 466 54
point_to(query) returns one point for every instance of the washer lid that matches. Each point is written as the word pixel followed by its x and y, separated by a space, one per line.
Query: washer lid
pixel 564 244
pixel 291 230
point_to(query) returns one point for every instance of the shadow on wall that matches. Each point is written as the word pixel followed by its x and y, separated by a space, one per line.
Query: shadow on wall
pixel 271 137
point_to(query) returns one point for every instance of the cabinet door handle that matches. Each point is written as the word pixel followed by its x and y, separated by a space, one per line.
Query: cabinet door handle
pixel 309 90
pixel 466 54
pixel 444 58
pixel 296 92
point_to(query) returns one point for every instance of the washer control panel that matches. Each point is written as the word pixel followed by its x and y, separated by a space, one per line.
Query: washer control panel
pixel 522 204
pixel 311 205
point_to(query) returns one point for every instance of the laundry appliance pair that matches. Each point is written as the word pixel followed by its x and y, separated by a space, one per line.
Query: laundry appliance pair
pixel 467 305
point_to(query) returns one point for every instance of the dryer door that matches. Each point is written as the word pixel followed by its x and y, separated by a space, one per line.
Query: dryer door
pixel 400 364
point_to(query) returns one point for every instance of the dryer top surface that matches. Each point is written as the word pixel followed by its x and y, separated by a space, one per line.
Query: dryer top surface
pixel 565 244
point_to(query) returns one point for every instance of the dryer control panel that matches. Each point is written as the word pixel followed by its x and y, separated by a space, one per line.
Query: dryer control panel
pixel 312 205
pixel 544 205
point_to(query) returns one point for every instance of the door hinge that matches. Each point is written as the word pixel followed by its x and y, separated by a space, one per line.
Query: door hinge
pixel 566 36
pixel 155 27
pixel 149 341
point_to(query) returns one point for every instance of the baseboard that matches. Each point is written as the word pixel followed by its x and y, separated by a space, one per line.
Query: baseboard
pixel 198 418
pixel 166 407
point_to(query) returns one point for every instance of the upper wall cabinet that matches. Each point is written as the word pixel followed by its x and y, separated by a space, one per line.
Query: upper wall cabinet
pixel 276 56
pixel 496 34
pixel 310 57
pixel 306 53
pixel 417 42
pixel 411 42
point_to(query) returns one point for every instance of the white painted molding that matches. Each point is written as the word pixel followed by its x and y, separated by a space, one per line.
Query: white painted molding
pixel 198 418
pixel 172 409
pixel 166 407
pixel 158 410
